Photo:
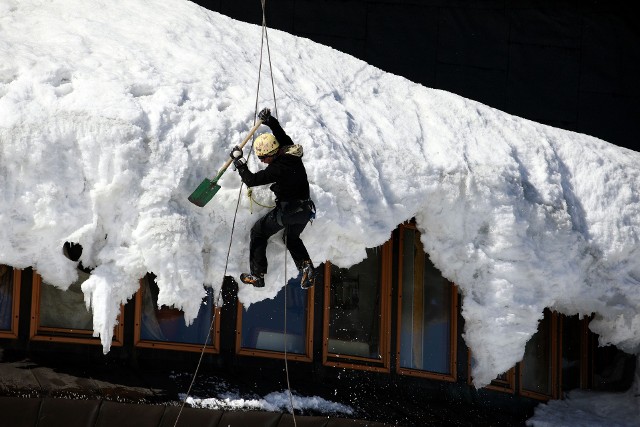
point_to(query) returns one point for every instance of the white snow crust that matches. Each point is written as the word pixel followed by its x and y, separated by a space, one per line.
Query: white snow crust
pixel 112 112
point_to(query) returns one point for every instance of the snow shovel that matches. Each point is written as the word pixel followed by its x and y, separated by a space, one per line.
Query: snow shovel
pixel 209 187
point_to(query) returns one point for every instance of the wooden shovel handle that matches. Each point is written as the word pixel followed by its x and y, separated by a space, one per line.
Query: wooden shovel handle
pixel 242 144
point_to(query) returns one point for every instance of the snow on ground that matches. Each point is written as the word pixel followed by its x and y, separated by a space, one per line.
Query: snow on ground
pixel 273 402
pixel 228 397
pixel 589 409
pixel 113 112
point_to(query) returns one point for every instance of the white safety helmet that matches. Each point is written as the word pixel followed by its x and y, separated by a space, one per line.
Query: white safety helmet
pixel 266 145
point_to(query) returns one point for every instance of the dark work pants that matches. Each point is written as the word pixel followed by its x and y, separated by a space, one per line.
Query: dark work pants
pixel 269 225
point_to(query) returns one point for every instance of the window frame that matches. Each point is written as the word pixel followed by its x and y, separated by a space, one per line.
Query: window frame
pixel 585 367
pixel 584 353
pixel 554 362
pixel 586 364
pixel 213 348
pixel 335 360
pixel 504 386
pixel 453 332
pixel 252 352
pixel 73 336
pixel 12 333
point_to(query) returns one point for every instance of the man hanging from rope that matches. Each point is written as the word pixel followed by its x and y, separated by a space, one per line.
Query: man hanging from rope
pixel 294 208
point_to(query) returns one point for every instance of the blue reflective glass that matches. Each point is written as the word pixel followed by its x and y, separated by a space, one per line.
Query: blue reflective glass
pixel 263 322
pixel 355 312
pixel 536 363
pixel 425 336
pixel 6 297
pixel 167 324
pixel 65 309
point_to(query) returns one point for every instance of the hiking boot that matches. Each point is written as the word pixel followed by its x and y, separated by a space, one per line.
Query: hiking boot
pixel 309 275
pixel 256 280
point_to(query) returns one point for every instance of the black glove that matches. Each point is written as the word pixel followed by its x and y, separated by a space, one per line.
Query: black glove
pixel 265 116
pixel 238 161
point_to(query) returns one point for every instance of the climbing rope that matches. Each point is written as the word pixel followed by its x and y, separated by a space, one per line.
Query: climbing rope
pixel 233 225
pixel 286 364
pixel 275 105
pixel 252 201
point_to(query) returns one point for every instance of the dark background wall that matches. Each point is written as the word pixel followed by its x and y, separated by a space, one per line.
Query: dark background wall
pixel 567 63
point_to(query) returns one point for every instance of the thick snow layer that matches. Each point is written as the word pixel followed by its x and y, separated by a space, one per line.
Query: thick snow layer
pixel 111 114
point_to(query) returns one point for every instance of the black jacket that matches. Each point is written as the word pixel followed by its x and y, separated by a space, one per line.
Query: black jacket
pixel 286 172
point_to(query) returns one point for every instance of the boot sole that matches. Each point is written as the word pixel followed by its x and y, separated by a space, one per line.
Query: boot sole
pixel 254 284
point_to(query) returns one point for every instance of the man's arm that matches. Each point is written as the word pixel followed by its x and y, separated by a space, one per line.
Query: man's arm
pixel 273 123
pixel 266 176
pixel 281 136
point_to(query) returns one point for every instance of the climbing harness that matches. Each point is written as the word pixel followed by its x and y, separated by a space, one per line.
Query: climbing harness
pixel 213 317
pixel 294 150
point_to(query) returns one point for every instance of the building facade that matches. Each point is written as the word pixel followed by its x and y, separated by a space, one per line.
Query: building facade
pixel 390 320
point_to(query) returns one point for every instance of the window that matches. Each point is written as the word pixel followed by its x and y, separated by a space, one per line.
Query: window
pixel 538 369
pixel 505 382
pixel 357 313
pixel 573 351
pixel 542 374
pixel 427 313
pixel 9 301
pixel 261 329
pixel 63 316
pixel 613 370
pixel 165 328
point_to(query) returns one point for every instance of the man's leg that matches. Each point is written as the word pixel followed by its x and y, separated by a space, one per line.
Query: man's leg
pixel 264 228
pixel 300 255
pixel 295 245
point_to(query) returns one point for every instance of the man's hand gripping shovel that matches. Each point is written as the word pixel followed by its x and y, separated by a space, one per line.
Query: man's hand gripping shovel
pixel 209 187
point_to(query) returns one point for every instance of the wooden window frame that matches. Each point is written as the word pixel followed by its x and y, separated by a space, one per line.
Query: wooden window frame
pixel 586 364
pixel 12 333
pixel 504 386
pixel 335 360
pixel 213 348
pixel 307 357
pixel 589 346
pixel 553 356
pixel 584 353
pixel 73 336
pixel 453 332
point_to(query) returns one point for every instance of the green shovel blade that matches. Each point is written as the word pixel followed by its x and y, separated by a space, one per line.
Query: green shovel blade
pixel 209 187
pixel 205 192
